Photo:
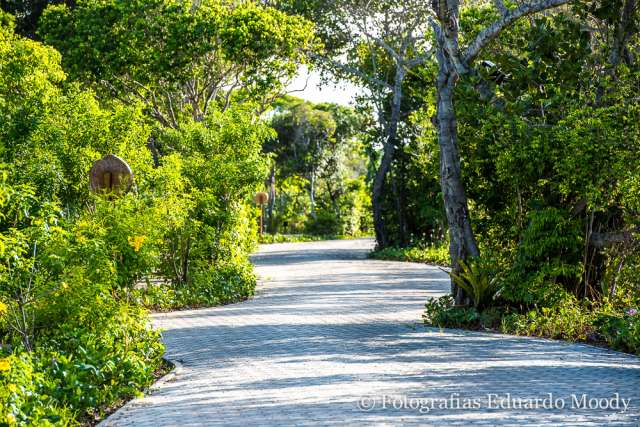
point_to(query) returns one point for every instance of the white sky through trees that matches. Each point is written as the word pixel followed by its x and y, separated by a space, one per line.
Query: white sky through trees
pixel 317 91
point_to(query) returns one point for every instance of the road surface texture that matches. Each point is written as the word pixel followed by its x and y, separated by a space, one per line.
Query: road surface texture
pixel 333 338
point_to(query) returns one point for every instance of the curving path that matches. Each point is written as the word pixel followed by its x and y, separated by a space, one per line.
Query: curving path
pixel 334 339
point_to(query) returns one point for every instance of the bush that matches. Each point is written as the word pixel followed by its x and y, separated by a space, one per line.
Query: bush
pixel 478 280
pixel 74 336
pixel 443 313
pixel 621 331
pixel 24 394
pixel 325 223
pixel 77 370
pixel 568 320
pixel 292 238
pixel 215 285
pixel 437 254
pixel 547 264
pixel 112 357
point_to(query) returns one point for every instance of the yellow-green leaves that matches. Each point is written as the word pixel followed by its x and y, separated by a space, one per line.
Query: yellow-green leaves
pixel 179 61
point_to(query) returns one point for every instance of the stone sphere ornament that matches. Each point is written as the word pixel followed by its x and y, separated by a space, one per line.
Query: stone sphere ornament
pixel 110 175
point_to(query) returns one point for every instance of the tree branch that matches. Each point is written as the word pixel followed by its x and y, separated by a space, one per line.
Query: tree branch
pixel 501 7
pixel 493 30
pixel 603 240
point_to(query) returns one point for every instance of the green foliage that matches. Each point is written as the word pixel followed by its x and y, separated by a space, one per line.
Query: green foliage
pixel 73 265
pixel 548 260
pixel 87 348
pixel 437 254
pixel 23 393
pixel 567 320
pixel 52 135
pixel 354 205
pixel 600 323
pixel 621 330
pixel 7 22
pixel 442 313
pixel 179 60
pixel 548 163
pixel 571 320
pixel 222 163
pixel 478 281
pixel 115 354
pixel 294 238
pixel 317 171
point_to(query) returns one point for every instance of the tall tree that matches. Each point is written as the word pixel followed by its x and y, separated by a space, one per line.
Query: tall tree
pixel 456 62
pixel 377 44
pixel 399 35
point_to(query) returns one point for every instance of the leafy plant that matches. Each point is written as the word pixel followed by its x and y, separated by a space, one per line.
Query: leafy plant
pixel 476 280
pixel 443 313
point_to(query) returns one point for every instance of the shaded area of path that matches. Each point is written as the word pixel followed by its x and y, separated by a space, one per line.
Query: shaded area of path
pixel 329 328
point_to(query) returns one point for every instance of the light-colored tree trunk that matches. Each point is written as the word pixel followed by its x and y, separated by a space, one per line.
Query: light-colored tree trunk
pixel 377 196
pixel 453 64
pixel 462 240
pixel 389 147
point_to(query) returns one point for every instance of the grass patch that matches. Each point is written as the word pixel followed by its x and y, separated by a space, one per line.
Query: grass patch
pixel 295 238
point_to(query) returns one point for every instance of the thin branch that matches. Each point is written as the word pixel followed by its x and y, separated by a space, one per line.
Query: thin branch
pixel 172 114
pixel 419 60
pixel 306 84
pixel 354 72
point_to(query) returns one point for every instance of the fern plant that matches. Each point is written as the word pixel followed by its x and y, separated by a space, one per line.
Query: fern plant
pixel 476 281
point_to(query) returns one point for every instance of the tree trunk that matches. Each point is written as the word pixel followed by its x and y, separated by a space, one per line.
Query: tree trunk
pixel 271 185
pixel 400 209
pixel 452 63
pixel 389 147
pixel 312 194
pixel 376 197
pixel 462 240
pixel 151 145
pixel 623 31
pixel 402 200
pixel 185 261
pixel 334 199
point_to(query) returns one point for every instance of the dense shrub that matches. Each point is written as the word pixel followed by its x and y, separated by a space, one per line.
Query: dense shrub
pixel 621 331
pixel 568 320
pixel 74 336
pixel 24 394
pixel 442 312
pixel 317 182
pixel 437 254
pixel 547 264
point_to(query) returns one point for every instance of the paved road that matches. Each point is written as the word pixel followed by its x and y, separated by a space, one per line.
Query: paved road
pixel 331 334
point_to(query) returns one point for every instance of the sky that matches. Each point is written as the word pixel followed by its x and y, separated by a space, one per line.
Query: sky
pixel 342 93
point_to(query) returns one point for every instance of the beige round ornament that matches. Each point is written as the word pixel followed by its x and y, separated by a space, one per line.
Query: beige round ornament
pixel 110 175
pixel 261 198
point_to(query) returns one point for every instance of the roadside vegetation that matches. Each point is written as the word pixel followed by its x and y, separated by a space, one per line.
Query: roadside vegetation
pixel 437 254
pixel 77 269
